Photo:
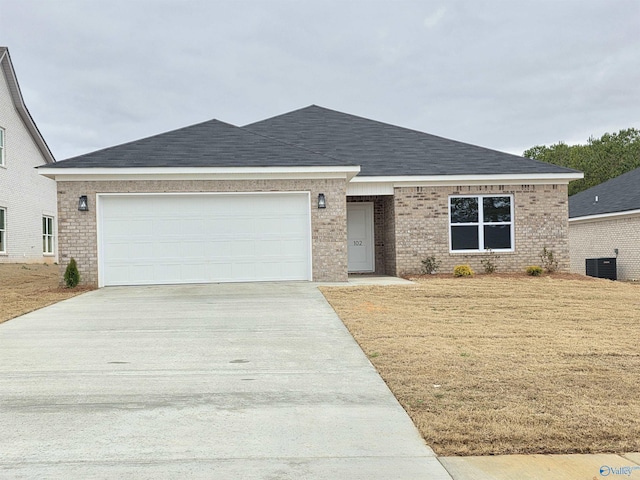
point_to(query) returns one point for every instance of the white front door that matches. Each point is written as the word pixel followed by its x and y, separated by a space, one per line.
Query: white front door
pixel 360 237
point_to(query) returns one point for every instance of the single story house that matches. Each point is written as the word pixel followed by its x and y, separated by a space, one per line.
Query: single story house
pixel 313 194
pixel 604 222
pixel 27 200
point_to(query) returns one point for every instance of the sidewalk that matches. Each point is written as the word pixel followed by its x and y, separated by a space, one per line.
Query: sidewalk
pixel 544 467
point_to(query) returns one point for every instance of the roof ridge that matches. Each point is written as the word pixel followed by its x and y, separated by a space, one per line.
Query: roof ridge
pixel 282 142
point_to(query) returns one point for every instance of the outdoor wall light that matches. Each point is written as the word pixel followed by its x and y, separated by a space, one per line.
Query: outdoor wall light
pixel 322 203
pixel 83 204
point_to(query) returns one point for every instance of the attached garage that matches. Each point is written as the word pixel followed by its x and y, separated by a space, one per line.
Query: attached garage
pixel 174 238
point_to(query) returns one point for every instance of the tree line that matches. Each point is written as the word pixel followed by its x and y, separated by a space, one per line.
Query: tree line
pixel 600 159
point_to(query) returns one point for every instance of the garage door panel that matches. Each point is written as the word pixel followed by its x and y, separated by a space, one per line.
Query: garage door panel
pixel 204 238
pixel 127 226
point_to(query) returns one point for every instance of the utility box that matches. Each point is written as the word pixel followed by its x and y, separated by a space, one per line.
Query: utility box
pixel 602 268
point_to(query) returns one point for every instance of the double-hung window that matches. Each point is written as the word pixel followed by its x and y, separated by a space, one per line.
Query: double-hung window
pixel 47 235
pixel 3 230
pixel 478 223
pixel 1 147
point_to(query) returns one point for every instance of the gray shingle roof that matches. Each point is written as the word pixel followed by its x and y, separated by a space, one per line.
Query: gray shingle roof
pixel 312 136
pixel 387 150
pixel 619 194
pixel 208 144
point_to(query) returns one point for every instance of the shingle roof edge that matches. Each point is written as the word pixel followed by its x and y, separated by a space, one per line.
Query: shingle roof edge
pixel 23 111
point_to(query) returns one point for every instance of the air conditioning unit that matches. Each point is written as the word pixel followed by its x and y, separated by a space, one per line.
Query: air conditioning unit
pixel 602 268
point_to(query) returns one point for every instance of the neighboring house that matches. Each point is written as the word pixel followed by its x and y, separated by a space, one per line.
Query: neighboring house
pixel 309 195
pixel 27 200
pixel 605 223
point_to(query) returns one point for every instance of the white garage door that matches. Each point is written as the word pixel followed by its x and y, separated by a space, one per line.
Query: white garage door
pixel 200 238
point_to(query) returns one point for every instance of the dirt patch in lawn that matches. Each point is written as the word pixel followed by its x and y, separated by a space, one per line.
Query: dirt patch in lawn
pixel 28 287
pixel 506 364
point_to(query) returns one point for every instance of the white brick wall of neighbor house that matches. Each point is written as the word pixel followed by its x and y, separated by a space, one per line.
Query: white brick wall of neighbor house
pixel 25 196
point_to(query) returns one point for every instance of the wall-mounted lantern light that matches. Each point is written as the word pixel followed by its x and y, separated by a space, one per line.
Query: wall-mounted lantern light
pixel 83 204
pixel 322 203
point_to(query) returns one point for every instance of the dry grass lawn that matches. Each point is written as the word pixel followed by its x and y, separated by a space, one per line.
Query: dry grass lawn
pixel 28 287
pixel 506 364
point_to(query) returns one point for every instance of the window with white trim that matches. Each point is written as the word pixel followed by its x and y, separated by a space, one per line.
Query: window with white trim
pixel 47 235
pixel 478 223
pixel 1 147
pixel 3 230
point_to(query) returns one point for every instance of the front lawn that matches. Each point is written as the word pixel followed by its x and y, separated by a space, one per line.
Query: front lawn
pixel 506 364
pixel 27 287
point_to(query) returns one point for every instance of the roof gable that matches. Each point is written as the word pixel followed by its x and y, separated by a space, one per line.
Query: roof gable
pixel 387 150
pixel 6 66
pixel 620 194
pixel 208 144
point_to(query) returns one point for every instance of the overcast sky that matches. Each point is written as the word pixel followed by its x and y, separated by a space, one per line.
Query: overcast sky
pixel 502 74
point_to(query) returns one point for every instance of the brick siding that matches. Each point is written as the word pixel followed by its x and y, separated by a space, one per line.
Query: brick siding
pixel 78 235
pixel 600 238
pixel 422 227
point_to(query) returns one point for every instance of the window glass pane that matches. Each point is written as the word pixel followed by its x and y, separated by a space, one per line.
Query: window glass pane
pixel 464 210
pixel 464 238
pixel 496 209
pixel 1 241
pixel 44 225
pixel 1 219
pixel 497 236
pixel 49 244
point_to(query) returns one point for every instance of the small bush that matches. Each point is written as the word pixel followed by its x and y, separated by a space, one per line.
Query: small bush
pixel 549 261
pixel 430 265
pixel 462 271
pixel 71 274
pixel 534 271
pixel 489 263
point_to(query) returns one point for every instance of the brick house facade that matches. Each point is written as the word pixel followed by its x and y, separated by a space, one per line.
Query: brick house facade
pixel 514 212
pixel 78 229
pixel 605 223
pixel 601 238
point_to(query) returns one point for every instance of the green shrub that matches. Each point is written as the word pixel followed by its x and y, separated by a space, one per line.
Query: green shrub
pixel 71 274
pixel 489 263
pixel 462 271
pixel 430 265
pixel 549 261
pixel 534 271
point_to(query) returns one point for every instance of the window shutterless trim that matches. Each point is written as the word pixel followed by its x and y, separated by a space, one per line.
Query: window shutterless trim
pixel 48 238
pixel 3 231
pixel 480 224
pixel 2 146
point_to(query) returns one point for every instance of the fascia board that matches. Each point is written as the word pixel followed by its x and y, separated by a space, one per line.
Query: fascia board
pixel 197 173
pixel 604 216
pixel 457 180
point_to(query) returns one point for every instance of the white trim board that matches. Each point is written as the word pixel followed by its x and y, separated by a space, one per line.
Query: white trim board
pixel 604 216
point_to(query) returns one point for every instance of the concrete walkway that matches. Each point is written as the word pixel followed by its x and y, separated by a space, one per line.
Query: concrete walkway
pixel 251 381
pixel 544 467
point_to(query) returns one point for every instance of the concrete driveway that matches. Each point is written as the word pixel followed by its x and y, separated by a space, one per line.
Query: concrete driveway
pixel 200 381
